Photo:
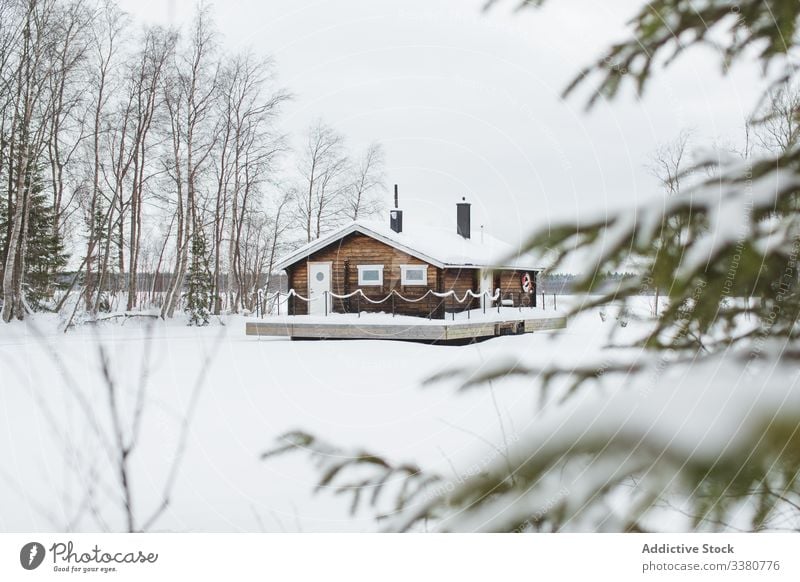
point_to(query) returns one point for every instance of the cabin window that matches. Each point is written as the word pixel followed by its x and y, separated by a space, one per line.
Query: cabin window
pixel 370 275
pixel 413 274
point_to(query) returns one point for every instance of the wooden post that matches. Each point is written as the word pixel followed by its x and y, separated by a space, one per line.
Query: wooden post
pixel 429 305
pixel 392 294
pixel 442 302
pixel 358 303
pixel 325 299
pixel 555 305
pixel 279 302
pixel 543 302
pixel 347 303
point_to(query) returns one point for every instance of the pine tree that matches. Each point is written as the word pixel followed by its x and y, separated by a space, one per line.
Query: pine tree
pixel 199 281
pixel 45 255
pixel 100 229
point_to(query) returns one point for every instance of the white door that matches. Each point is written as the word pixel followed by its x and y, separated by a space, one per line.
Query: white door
pixel 486 288
pixel 319 281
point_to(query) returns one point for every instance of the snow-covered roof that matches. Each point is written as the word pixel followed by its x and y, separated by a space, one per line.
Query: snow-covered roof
pixel 441 247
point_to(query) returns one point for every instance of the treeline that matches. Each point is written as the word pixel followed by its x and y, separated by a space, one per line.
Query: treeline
pixel 128 149
pixel 564 283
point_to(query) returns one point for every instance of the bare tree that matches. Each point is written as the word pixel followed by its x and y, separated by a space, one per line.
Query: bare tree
pixel 248 146
pixel 778 129
pixel 191 105
pixel 107 33
pixel 100 459
pixel 68 56
pixel 279 227
pixel 668 166
pixel 27 136
pixel 323 168
pixel 369 180
pixel 11 29
pixel 158 47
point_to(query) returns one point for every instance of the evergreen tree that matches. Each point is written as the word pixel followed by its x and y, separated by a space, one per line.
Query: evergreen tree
pixel 100 230
pixel 45 256
pixel 199 301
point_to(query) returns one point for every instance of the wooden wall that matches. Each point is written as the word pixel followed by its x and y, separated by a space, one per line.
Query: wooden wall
pixel 461 280
pixel 357 249
pixel 510 283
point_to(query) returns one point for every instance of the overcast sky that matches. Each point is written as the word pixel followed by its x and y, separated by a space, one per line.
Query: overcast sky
pixel 467 103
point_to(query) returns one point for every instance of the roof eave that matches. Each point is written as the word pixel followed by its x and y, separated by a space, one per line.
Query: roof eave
pixel 340 234
pixel 313 247
pixel 321 243
pixel 495 267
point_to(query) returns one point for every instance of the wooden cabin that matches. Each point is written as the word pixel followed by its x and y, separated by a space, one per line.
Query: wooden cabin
pixel 377 259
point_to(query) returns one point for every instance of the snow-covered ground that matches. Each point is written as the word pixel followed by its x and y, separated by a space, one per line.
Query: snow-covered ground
pixel 353 393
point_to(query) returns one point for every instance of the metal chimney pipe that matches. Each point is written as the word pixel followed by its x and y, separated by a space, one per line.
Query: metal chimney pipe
pixel 396 215
pixel 463 218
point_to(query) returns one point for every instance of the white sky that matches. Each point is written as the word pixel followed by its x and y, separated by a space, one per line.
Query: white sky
pixel 467 103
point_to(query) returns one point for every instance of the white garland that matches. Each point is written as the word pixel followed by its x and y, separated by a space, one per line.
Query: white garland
pixel 450 293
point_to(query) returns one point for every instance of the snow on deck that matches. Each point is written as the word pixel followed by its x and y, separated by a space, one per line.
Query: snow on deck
pixel 383 318
pixel 457 327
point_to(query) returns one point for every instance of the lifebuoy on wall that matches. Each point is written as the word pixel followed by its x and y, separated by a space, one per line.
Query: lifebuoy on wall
pixel 527 283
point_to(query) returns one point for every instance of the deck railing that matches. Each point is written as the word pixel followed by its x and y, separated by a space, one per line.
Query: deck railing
pixel 271 303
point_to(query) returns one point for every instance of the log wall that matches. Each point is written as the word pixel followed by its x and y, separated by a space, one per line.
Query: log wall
pixel 346 254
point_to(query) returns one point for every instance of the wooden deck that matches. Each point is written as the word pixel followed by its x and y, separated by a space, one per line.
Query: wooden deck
pixel 425 331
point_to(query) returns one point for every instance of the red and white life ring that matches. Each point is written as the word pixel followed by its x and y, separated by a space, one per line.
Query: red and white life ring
pixel 527 283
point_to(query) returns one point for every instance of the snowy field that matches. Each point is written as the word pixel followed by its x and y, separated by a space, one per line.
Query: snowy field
pixel 353 393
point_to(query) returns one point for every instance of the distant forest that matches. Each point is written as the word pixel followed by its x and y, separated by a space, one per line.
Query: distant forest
pixel 563 283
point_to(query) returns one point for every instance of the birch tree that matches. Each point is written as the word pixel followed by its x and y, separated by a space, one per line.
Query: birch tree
pixel 191 104
pixel 67 85
pixel 248 148
pixel 146 83
pixel 108 29
pixel 369 180
pixel 26 135
pixel 323 168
